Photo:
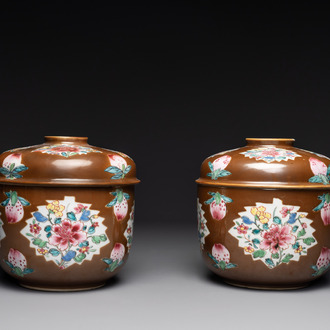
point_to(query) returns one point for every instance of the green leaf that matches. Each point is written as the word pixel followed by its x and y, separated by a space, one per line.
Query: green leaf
pixel 23 201
pixel 103 237
pixel 28 271
pixel 230 265
pixel 315 179
pixel 37 241
pixel 80 257
pixel 277 220
pixel 287 258
pixel 226 199
pixel 96 239
pixel 275 256
pixel 114 265
pixel 222 265
pixel 28 234
pixel 18 271
pixel 301 233
pixel 309 240
pixel 43 244
pixel 295 228
pixel 259 254
pixel 217 198
pixel 13 198
pixel 108 261
pixel 255 231
pixel 120 195
pixel 223 173
pixel 270 262
pixel 112 203
pixel 54 252
pixel 11 167
pixel 327 196
pixel 5 202
pixel 71 216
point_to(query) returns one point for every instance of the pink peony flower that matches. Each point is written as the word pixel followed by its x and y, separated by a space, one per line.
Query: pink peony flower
pixel 277 238
pixel 12 159
pixel 221 163
pixel 117 161
pixel 317 166
pixel 270 152
pixel 67 232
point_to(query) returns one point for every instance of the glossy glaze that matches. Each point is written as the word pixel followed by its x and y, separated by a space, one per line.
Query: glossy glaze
pixel 263 222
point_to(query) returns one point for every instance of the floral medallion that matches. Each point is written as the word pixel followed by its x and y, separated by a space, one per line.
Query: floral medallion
pixel 129 230
pixel 218 166
pixel 65 150
pixel 324 207
pixel 14 207
pixel 203 231
pixel 12 166
pixel 116 257
pixel 320 170
pixel 273 232
pixel 66 232
pixel 16 261
pixel 118 167
pixel 221 257
pixel 323 262
pixel 270 154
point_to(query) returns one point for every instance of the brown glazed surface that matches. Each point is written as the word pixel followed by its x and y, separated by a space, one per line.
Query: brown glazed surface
pixel 254 181
pixel 82 178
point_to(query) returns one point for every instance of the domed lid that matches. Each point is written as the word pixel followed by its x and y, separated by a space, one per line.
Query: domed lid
pixel 267 163
pixel 66 160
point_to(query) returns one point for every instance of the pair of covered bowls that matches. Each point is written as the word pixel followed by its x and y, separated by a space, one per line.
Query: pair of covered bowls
pixel 67 211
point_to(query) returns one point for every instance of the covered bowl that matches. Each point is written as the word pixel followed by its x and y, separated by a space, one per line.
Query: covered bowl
pixel 67 211
pixel 264 214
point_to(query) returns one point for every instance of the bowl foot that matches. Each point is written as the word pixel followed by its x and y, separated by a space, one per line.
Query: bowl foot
pixel 62 289
pixel 268 287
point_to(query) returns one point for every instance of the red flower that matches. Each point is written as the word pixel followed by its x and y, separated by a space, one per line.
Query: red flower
pixel 242 229
pixel 95 224
pixel 35 229
pixel 79 208
pixel 84 249
pixel 67 232
pixel 277 238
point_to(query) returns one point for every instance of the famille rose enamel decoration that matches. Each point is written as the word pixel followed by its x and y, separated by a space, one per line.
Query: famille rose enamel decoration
pixel 67 222
pixel 264 214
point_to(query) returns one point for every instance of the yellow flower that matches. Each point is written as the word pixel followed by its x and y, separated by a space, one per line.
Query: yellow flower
pixel 56 208
pixel 261 214
pixel 249 249
pixel 302 215
pixel 254 211
pixel 299 249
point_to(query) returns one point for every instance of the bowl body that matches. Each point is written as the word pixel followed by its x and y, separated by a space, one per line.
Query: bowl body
pixel 268 234
pixel 67 212
pixel 58 238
